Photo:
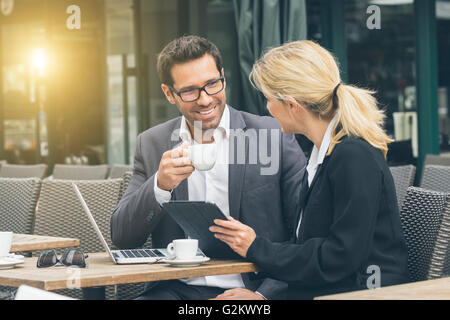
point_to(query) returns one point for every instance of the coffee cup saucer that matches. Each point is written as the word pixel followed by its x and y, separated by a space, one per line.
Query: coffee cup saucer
pixel 198 260
pixel 15 256
pixel 10 261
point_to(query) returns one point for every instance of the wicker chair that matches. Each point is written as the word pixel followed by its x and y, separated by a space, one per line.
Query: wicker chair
pixel 425 220
pixel 80 172
pixel 18 199
pixel 436 160
pixel 432 159
pixel 403 179
pixel 126 177
pixel 131 291
pixel 436 178
pixel 60 214
pixel 23 171
pixel 118 170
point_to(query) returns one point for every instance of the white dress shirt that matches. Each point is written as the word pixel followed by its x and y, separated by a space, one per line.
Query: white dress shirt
pixel 209 186
pixel 317 157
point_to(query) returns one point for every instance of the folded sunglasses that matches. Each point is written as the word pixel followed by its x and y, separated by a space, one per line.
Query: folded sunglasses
pixel 70 257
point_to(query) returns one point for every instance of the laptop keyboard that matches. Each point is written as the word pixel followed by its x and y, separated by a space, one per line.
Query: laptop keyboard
pixel 141 253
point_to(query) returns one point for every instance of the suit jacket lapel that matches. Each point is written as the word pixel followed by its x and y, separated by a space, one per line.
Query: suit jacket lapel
pixel 182 191
pixel 316 176
pixel 236 171
pixel 305 198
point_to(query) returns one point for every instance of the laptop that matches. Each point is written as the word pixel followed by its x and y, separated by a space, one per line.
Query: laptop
pixel 131 256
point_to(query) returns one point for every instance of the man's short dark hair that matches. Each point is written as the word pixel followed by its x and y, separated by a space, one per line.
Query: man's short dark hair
pixel 182 50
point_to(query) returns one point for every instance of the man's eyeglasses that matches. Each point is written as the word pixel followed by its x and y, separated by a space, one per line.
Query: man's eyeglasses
pixel 191 95
pixel 70 257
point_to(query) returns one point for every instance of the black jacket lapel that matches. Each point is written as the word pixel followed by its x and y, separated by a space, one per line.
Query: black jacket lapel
pixel 316 176
pixel 304 198
pixel 304 188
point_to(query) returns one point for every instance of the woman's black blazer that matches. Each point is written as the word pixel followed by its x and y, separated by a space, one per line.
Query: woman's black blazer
pixel 350 229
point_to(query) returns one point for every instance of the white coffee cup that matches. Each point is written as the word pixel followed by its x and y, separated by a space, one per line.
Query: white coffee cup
pixel 183 249
pixel 203 156
pixel 5 243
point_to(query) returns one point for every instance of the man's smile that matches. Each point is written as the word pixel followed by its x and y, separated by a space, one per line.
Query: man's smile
pixel 206 113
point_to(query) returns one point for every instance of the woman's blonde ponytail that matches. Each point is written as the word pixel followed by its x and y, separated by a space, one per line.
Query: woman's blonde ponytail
pixel 310 74
pixel 359 116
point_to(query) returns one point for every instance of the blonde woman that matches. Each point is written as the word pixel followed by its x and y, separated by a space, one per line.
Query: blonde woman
pixel 347 235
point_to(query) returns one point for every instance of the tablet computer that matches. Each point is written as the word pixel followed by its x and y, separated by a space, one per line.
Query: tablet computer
pixel 195 218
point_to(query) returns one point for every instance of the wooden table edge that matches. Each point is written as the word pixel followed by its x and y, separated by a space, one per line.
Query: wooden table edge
pixel 390 292
pixel 49 245
pixel 110 280
pixel 26 244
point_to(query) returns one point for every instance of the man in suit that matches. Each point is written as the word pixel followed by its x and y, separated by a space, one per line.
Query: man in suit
pixel 262 193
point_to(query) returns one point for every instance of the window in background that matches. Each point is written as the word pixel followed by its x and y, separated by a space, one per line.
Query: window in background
pixel 159 24
pixel 384 60
pixel 314 22
pixel 162 22
pixel 132 107
pixel 22 73
pixel 122 87
pixel 443 42
pixel 221 30
pixel 214 19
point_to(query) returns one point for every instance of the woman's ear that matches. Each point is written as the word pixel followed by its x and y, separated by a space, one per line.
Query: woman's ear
pixel 295 107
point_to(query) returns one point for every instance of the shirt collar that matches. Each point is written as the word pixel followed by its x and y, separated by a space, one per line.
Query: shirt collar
pixel 317 156
pixel 222 131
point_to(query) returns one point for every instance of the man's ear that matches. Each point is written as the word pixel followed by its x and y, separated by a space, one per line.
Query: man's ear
pixel 168 93
pixel 225 82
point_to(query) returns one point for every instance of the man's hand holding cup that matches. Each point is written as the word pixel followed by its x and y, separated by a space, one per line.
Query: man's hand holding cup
pixel 175 166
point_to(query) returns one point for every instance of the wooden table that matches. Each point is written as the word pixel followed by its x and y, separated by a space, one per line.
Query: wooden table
pixel 101 271
pixel 438 289
pixel 30 242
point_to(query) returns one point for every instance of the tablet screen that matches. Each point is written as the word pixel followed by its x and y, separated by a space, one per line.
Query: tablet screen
pixel 195 218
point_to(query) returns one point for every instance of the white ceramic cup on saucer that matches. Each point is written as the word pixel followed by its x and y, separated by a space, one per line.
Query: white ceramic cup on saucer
pixel 183 249
pixel 5 243
pixel 203 156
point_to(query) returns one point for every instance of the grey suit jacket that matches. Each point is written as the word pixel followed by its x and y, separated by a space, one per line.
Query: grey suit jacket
pixel 267 202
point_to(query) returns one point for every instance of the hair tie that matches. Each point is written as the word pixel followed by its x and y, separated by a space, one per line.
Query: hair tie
pixel 336 89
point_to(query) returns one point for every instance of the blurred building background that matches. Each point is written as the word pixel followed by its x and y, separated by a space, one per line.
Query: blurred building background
pixel 69 90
